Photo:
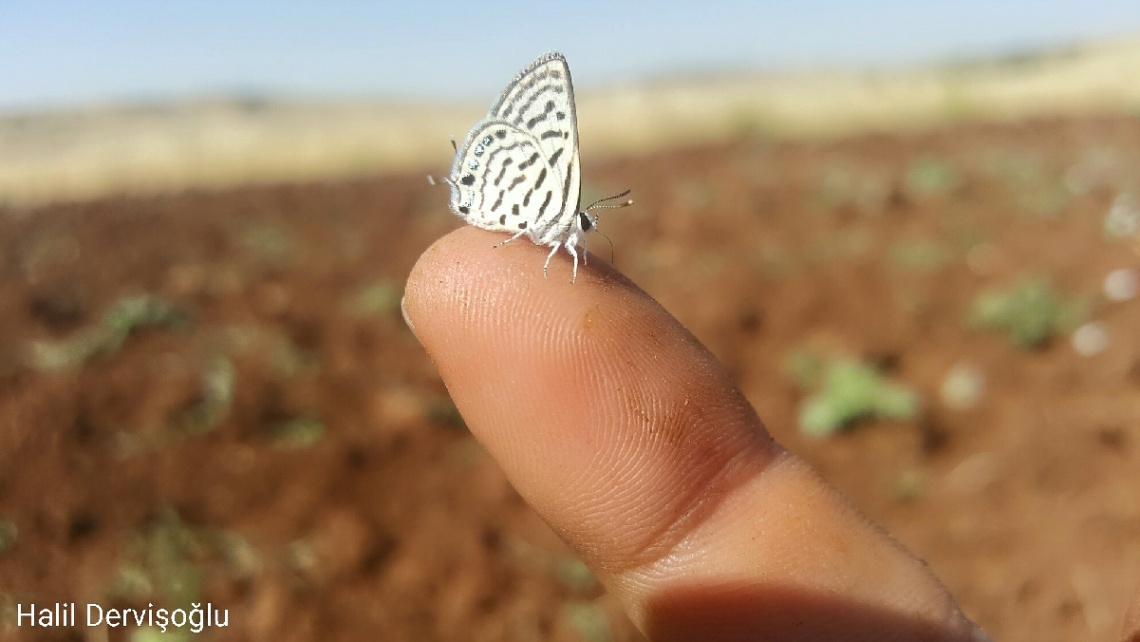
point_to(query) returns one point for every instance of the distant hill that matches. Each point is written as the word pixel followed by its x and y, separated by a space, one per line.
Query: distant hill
pixel 79 154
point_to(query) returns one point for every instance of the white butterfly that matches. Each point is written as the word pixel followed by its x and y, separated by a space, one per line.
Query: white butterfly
pixel 517 171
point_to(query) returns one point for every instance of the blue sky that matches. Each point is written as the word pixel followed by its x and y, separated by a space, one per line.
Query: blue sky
pixel 58 53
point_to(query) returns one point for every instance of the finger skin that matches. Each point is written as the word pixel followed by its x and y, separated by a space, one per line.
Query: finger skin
pixel 629 438
pixel 1132 620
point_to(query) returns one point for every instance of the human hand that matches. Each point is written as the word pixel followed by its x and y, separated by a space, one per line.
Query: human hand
pixel 628 437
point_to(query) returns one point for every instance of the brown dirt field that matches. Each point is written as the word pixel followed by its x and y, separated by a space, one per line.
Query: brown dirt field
pixel 282 447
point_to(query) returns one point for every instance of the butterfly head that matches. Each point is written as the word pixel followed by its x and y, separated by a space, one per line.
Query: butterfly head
pixel 587 222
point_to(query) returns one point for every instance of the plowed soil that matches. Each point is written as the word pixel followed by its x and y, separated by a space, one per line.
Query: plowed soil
pixel 270 438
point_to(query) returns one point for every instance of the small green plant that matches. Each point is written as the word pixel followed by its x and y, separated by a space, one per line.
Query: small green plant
pixel 588 620
pixel 805 368
pixel 1030 313
pixel 382 297
pixel 909 485
pixel 105 338
pixel 919 256
pixel 573 573
pixel 851 391
pixel 298 433
pixel 163 564
pixel 217 396
pixel 929 176
pixel 267 241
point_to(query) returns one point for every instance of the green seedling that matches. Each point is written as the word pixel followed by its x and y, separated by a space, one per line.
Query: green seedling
pixel 930 176
pixel 163 564
pixel 217 396
pixel 909 486
pixel 298 433
pixel 572 573
pixel 1030 313
pixel 853 391
pixel 382 297
pixel 805 368
pixel 588 620
pixel 120 320
pixel 919 256
pixel 267 241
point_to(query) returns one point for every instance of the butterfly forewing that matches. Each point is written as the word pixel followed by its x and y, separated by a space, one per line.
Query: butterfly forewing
pixel 518 167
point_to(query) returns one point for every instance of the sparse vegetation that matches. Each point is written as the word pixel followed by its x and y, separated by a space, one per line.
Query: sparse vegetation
pixel 928 176
pixel 851 391
pixel 1030 313
pixel 217 395
pixel 919 256
pixel 121 319
pixel 297 433
pixel 381 297
pixel 270 243
pixel 588 620
pixel 163 563
pixel 572 573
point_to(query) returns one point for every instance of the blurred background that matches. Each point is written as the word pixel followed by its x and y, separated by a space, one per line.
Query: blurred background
pixel 911 232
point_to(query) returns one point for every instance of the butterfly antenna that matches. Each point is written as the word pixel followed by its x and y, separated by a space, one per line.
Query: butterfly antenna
pixel 597 205
pixel 454 147
pixel 610 242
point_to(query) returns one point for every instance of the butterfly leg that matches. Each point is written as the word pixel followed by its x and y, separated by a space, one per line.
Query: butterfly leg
pixel 548 257
pixel 510 239
pixel 572 248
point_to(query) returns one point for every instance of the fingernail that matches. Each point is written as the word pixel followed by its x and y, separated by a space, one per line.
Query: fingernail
pixel 408 321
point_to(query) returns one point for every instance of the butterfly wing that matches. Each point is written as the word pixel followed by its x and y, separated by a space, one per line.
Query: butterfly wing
pixel 518 168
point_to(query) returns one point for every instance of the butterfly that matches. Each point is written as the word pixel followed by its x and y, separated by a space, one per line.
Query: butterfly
pixel 517 170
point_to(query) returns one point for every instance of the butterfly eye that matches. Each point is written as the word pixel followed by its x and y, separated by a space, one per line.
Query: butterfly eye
pixel 585 222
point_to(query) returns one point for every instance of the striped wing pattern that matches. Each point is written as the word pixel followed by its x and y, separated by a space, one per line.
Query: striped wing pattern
pixel 517 170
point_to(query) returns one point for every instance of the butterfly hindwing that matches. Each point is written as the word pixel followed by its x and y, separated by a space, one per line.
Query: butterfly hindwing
pixel 502 180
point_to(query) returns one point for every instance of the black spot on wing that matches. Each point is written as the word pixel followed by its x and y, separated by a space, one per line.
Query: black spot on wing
pixel 537 95
pixel 518 179
pixel 545 204
pixel 526 199
pixel 468 180
pixel 555 155
pixel 503 219
pixel 498 201
pixel 464 210
pixel 566 189
pixel 515 209
pixel 535 120
pixel 501 134
pixel 541 177
pixel 506 164
pixel 522 226
pixel 560 115
pixel 553 133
